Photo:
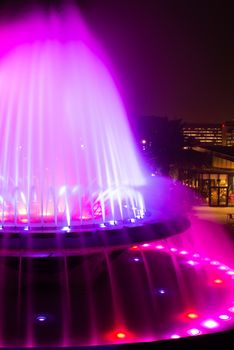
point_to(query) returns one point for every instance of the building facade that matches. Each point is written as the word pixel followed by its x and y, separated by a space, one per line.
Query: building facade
pixel 228 133
pixel 198 133
pixel 214 182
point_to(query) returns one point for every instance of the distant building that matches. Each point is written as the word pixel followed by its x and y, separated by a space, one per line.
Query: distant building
pixel 209 170
pixel 228 133
pixel 203 133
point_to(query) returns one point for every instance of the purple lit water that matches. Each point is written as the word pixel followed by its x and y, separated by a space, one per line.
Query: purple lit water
pixel 67 154
pixel 149 292
pixel 67 159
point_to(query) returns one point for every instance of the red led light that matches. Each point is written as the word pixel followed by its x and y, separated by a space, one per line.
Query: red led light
pixel 218 281
pixel 120 335
pixel 192 315
pixel 134 247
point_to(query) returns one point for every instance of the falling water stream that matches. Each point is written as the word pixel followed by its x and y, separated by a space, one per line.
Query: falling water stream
pixel 68 164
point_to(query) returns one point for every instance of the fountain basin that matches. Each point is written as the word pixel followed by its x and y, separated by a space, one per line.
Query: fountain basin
pixel 49 241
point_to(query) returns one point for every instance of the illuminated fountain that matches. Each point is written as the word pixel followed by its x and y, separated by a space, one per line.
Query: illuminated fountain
pixel 67 156
pixel 73 192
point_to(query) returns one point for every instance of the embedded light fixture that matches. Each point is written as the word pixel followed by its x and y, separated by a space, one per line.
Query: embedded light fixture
pixel 194 331
pixel 210 324
pixel 41 318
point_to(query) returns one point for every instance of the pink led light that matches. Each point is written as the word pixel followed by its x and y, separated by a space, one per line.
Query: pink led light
pixel 183 252
pixel 218 281
pixel 192 263
pixel 231 273
pixel 194 331
pixel 173 249
pixel 160 247
pixel 223 268
pixel 206 259
pixel 210 324
pixel 175 336
pixel 231 309
pixel 224 317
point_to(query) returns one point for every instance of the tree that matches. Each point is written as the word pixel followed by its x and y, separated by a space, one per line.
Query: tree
pixel 164 141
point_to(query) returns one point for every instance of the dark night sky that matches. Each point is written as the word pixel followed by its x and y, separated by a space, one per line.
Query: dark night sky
pixel 172 57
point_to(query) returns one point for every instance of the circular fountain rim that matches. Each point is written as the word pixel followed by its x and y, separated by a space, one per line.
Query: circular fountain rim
pixel 46 241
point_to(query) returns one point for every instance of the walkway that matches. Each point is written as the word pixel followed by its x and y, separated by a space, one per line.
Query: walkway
pixel 217 214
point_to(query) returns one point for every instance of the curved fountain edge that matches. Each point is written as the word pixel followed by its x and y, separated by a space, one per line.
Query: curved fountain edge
pixel 16 242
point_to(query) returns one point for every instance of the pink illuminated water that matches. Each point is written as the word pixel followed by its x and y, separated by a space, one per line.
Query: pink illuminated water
pixel 149 292
pixel 67 158
pixel 66 152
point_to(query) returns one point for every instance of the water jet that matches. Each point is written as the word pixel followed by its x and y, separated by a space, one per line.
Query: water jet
pixel 92 249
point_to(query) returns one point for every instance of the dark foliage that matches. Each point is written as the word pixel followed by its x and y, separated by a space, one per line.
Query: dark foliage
pixel 164 140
